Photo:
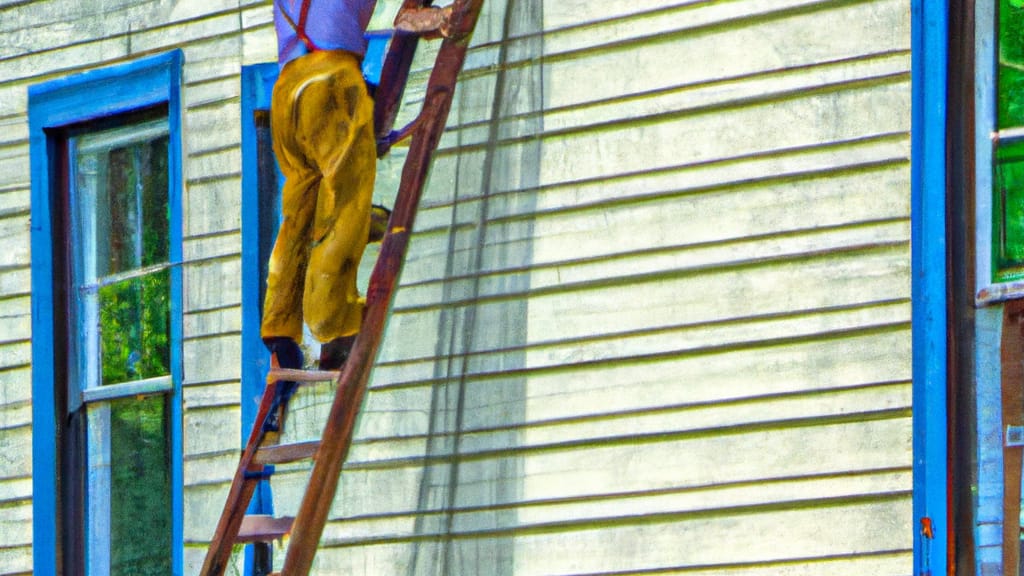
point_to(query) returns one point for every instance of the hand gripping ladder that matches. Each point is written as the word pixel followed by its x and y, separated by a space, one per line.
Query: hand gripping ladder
pixel 454 24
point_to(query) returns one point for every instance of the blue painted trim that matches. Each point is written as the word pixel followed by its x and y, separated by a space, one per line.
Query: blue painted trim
pixel 257 87
pixel 44 409
pixel 175 166
pixel 376 51
pixel 929 44
pixel 82 97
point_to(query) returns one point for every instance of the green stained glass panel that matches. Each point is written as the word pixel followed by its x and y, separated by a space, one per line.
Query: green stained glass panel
pixel 1011 65
pixel 1009 203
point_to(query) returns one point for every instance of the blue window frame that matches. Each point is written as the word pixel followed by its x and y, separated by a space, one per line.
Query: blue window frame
pixel 261 210
pixel 929 43
pixel 106 317
pixel 260 217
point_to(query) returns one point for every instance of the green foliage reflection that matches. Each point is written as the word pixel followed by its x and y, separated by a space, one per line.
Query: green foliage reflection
pixel 1011 65
pixel 134 328
pixel 1009 197
pixel 140 507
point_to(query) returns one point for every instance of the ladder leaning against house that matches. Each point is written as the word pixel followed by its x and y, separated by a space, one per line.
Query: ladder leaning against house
pixel 454 25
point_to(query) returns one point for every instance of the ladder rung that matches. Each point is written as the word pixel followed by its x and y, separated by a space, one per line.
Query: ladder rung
pixel 283 453
pixel 263 528
pixel 292 375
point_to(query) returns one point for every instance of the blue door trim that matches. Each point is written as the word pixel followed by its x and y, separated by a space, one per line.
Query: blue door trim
pixel 258 217
pixel 257 86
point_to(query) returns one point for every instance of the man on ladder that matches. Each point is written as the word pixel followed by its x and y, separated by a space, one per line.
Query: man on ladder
pixel 322 130
pixel 324 140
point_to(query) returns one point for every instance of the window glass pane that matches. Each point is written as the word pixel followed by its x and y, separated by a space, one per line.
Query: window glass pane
pixel 130 525
pixel 121 308
pixel 135 328
pixel 121 227
pixel 1009 215
pixel 1011 64
pixel 121 191
pixel 155 211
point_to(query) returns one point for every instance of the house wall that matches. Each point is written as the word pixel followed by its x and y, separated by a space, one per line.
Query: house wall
pixel 655 315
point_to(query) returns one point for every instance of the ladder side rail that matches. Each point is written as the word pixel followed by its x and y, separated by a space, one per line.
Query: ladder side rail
pixel 239 495
pixel 337 435
pixel 393 78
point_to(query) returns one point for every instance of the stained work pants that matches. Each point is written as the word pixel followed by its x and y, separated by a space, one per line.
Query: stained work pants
pixel 322 126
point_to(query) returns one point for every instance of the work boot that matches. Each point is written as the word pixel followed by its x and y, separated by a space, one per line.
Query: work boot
pixel 333 354
pixel 289 355
pixel 379 217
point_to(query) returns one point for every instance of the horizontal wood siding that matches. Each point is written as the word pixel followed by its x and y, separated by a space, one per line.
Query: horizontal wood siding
pixel 655 315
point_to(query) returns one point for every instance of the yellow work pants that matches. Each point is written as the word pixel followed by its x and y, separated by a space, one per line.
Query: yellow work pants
pixel 321 121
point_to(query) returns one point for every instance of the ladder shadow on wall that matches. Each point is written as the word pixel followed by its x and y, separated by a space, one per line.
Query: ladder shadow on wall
pixel 468 491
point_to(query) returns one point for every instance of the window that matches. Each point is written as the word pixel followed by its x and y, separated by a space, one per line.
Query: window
pixel 107 328
pixel 987 344
pixel 120 306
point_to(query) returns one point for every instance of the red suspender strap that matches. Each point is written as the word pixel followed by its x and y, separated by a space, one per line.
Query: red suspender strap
pixel 300 28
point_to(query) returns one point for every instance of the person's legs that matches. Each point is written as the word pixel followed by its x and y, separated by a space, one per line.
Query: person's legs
pixel 281 327
pixel 342 143
pixel 322 125
pixel 282 306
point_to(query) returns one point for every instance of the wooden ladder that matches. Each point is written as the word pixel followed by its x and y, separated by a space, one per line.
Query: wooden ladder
pixel 262 452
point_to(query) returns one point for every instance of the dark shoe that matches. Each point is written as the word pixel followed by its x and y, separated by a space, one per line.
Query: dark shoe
pixel 289 355
pixel 333 354
pixel 379 217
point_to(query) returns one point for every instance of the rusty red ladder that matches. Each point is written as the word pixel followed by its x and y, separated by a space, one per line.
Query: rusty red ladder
pixel 454 25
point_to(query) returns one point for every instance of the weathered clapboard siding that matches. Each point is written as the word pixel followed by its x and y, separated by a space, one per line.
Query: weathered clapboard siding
pixel 15 339
pixel 657 313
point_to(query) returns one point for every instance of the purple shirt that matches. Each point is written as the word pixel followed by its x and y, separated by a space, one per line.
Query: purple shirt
pixel 330 25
